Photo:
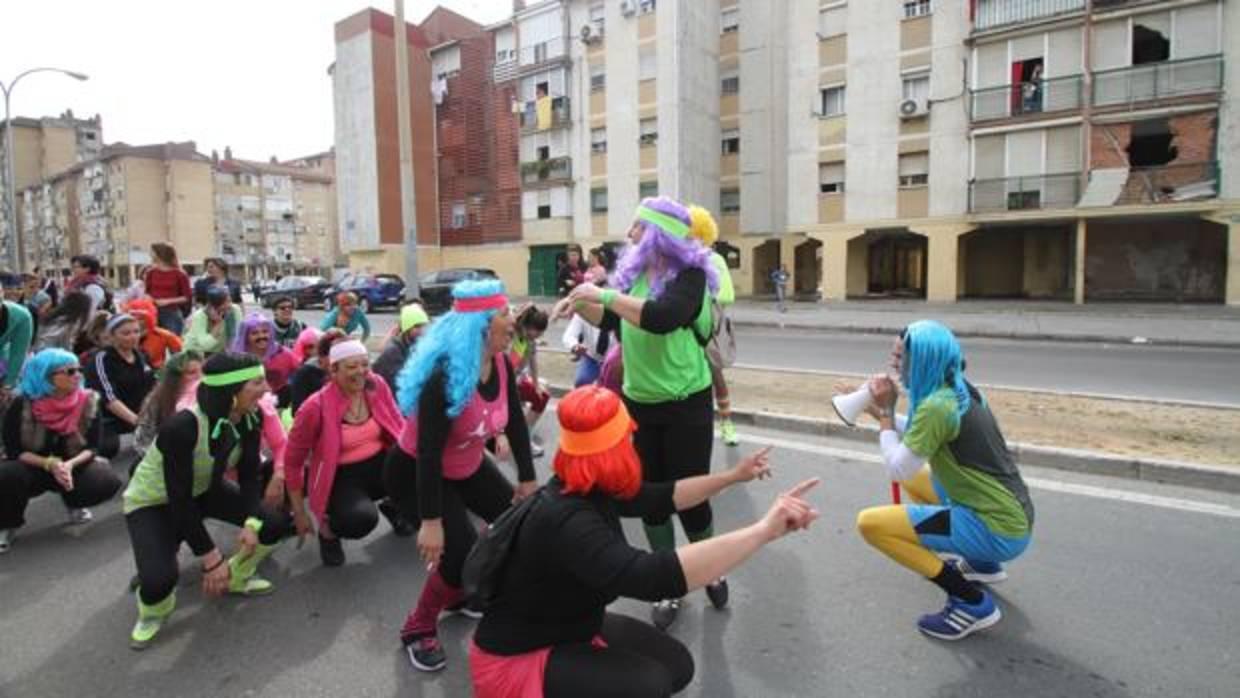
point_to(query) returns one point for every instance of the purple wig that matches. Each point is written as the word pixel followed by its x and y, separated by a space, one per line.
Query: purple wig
pixel 662 255
pixel 242 339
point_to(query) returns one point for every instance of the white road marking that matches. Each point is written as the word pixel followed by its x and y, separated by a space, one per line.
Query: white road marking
pixel 1128 496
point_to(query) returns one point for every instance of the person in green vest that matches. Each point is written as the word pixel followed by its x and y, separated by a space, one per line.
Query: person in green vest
pixel 180 483
pixel 659 307
pixel 706 231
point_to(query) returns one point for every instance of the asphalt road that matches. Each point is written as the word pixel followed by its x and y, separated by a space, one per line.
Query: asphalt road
pixel 1114 598
pixel 1145 371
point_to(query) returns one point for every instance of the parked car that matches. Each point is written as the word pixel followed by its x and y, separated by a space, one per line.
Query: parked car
pixel 437 286
pixel 373 291
pixel 306 291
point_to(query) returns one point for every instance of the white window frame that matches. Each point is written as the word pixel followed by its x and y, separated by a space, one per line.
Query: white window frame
pixel 598 145
pixel 644 189
pixel 730 134
pixel 730 83
pixel 729 208
pixel 914 180
pixel 597 15
pixel 646 6
pixel 459 215
pixel 647 63
pixel 823 94
pixel 594 200
pixel 648 131
pixel 598 76
pixel 913 78
pixel 822 11
pixel 917 8
pixel 730 19
pixel 832 187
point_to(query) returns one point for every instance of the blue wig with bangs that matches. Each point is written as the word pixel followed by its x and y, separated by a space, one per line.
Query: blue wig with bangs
pixel 933 359
pixel 36 381
pixel 453 342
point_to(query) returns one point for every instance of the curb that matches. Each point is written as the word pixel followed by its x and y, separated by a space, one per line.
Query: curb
pixel 1165 472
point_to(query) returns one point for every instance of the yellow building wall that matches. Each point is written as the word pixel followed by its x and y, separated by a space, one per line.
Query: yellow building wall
pixel 832 131
pixel 648 91
pixel 191 211
pixel 59 149
pixel 833 51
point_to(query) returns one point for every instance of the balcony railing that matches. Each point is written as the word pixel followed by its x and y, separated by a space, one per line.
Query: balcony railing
pixel 998 13
pixel 1170 184
pixel 1152 81
pixel 522 60
pixel 547 171
pixel 560 115
pixel 1034 192
pixel 1050 95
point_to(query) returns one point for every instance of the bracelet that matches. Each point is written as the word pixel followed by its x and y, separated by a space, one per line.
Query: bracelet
pixel 608 297
pixel 212 568
pixel 51 462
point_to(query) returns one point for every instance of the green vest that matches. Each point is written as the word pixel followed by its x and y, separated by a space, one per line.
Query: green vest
pixel 665 367
pixel 147 487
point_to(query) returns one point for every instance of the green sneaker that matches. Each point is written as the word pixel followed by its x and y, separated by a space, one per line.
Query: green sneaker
pixel 242 577
pixel 150 620
pixel 253 586
pixel 728 430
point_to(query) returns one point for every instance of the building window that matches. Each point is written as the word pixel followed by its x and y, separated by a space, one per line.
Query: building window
pixel 598 76
pixel 647 63
pixel 647 189
pixel 598 200
pixel 731 141
pixel 598 140
pixel 916 8
pixel 917 88
pixel 914 170
pixel 831 178
pixel 832 20
pixel 458 215
pixel 730 201
pixel 832 101
pixel 730 84
pixel 645 6
pixel 729 20
pixel 649 130
pixel 597 13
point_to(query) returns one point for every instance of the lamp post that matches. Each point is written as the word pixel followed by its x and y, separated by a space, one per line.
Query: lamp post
pixel 10 189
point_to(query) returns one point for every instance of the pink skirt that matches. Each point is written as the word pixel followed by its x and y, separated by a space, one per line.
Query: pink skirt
pixel 515 676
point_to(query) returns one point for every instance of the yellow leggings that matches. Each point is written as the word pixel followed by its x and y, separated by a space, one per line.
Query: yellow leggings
pixel 888 529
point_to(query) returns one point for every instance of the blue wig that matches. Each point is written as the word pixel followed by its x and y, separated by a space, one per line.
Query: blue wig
pixel 36 379
pixel 932 360
pixel 454 342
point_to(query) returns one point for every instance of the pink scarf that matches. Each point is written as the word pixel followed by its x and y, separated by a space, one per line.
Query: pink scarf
pixel 60 414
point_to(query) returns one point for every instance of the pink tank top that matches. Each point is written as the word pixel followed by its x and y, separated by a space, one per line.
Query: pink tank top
pixel 358 442
pixel 479 422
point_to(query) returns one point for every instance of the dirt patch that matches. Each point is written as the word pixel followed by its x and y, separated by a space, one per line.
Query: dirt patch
pixel 1120 427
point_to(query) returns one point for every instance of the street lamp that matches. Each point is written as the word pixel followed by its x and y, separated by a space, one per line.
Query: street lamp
pixel 10 190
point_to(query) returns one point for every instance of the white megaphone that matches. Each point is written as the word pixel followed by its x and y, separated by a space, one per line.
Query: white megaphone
pixel 849 407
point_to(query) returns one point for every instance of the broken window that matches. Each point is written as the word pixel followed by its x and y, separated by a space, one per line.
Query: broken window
pixel 1149 45
pixel 1151 144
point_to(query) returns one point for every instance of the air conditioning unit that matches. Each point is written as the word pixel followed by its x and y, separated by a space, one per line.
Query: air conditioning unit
pixel 628 8
pixel 590 35
pixel 912 109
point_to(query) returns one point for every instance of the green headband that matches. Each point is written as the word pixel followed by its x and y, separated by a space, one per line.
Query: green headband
pixel 241 375
pixel 671 226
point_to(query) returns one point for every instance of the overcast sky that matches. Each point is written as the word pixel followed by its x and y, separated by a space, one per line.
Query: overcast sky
pixel 251 74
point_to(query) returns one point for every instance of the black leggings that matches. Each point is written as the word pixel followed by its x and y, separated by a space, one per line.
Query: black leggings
pixel 155 537
pixel 671 450
pixel 486 493
pixel 638 662
pixel 93 483
pixel 351 511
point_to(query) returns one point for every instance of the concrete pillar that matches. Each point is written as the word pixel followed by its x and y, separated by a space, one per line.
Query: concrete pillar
pixel 788 258
pixel 835 262
pixel 942 282
pixel 1078 285
pixel 1232 296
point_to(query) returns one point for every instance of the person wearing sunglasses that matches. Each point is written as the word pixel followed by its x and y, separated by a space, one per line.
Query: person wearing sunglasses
pixel 51 434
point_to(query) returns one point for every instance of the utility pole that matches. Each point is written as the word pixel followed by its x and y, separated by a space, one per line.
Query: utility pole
pixel 408 212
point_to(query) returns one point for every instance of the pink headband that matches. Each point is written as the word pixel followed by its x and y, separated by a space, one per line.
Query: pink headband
pixel 347 350
pixel 480 304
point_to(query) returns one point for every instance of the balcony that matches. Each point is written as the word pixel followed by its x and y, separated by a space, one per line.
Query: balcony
pixel 1027 98
pixel 1155 81
pixel 528 59
pixel 990 14
pixel 550 171
pixel 1034 192
pixel 559 117
pixel 1170 184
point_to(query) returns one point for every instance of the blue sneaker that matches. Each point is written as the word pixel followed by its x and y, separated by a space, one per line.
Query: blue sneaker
pixel 977 571
pixel 959 620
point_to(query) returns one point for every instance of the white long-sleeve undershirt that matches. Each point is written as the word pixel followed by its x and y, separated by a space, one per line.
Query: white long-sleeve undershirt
pixel 901 463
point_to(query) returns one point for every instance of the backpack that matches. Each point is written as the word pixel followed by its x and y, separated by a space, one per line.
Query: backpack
pixel 484 565
pixel 108 303
pixel 720 346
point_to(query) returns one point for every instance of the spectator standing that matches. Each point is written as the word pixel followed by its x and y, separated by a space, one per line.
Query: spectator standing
pixel 216 275
pixel 85 278
pixel 168 286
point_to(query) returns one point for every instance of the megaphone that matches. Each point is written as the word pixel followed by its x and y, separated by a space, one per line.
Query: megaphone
pixel 849 407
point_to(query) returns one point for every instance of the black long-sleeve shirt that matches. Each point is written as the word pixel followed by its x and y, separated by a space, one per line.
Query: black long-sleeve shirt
pixel 678 306
pixel 114 378
pixel 570 561
pixel 434 425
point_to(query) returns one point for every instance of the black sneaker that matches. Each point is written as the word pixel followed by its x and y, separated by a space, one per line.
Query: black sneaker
pixel 462 609
pixel 400 525
pixel 717 592
pixel 663 613
pixel 331 552
pixel 425 653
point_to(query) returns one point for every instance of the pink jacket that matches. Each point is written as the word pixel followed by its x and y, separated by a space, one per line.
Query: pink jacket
pixel 315 438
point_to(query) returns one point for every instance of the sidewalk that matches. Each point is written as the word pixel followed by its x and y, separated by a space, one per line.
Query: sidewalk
pixel 1168 324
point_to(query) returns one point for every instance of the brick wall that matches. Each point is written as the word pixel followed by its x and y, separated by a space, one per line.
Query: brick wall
pixel 1194 137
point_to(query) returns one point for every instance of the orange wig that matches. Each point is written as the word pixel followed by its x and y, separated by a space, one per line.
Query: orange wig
pixel 596 446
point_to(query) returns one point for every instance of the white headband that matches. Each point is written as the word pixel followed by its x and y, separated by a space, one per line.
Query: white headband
pixel 347 350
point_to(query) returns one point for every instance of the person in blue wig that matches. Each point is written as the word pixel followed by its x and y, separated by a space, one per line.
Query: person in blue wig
pixel 458 392
pixel 970 509
pixel 51 437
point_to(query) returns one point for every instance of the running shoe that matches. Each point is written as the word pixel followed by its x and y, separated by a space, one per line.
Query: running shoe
pixel 728 430
pixel 977 571
pixel 331 552
pixel 717 592
pixel 959 620
pixel 461 608
pixel 6 540
pixel 426 654
pixel 663 613
pixel 400 525
pixel 79 516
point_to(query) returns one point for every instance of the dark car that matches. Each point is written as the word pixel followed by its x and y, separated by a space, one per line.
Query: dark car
pixel 373 291
pixel 437 286
pixel 305 291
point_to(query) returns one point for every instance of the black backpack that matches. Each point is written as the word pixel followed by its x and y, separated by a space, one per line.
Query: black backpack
pixel 484 566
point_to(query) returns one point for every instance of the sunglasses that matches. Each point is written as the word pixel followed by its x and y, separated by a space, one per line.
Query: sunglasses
pixel 70 371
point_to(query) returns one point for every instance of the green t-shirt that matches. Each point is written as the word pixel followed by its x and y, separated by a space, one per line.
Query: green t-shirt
pixel 665 367
pixel 970 460
pixel 727 293
pixel 148 488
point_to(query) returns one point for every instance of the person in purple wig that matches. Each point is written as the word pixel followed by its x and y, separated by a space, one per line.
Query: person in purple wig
pixel 659 307
pixel 256 337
